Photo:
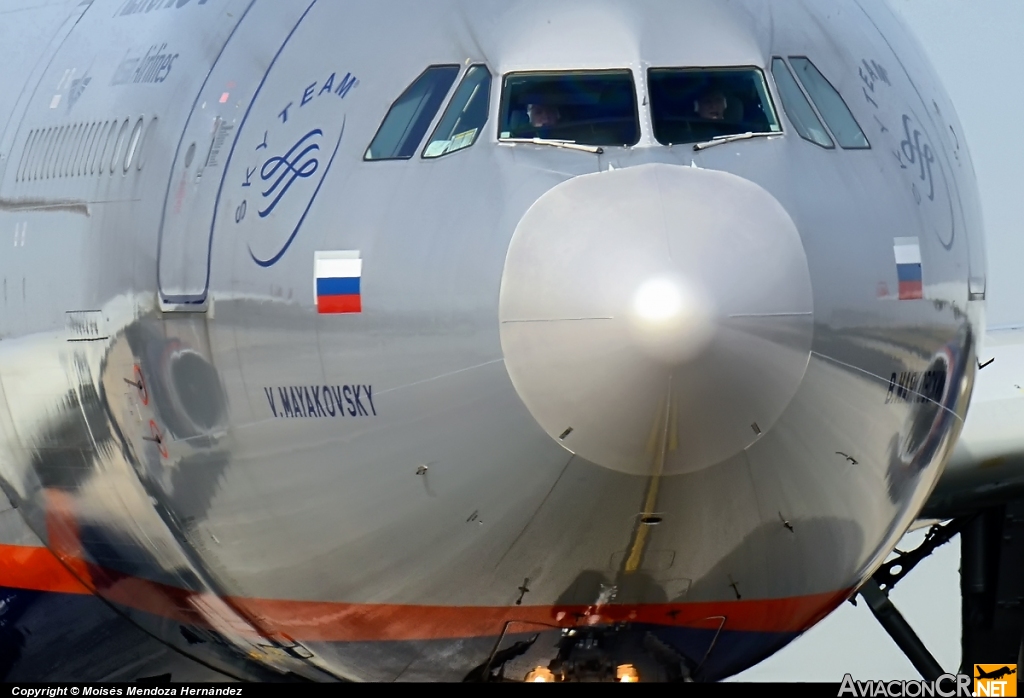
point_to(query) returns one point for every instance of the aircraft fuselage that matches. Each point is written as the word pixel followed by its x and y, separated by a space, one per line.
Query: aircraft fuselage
pixel 354 415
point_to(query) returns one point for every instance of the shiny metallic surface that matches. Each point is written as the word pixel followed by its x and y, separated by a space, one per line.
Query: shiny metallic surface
pixel 987 467
pixel 656 298
pixel 743 453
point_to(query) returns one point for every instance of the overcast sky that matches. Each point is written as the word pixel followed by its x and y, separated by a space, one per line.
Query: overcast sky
pixel 977 46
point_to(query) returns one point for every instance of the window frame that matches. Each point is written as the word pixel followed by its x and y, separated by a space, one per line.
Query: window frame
pixel 785 63
pixel 817 109
pixel 449 100
pixel 444 100
pixel 709 69
pixel 503 101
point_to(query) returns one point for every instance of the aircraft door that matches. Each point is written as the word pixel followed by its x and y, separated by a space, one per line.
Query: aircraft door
pixel 205 148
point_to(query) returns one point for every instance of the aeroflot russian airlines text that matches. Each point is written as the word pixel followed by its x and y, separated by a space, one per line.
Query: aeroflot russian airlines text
pixel 946 686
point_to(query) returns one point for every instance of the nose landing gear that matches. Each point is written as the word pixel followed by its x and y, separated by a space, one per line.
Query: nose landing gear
pixel 876 593
pixel 606 654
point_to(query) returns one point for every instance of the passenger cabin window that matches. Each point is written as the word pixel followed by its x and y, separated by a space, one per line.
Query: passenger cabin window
pixel 830 104
pixel 587 108
pixel 692 105
pixel 465 116
pixel 409 118
pixel 799 110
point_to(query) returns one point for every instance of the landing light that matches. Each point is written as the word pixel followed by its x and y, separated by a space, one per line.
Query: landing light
pixel 540 675
pixel 671 319
pixel 658 300
pixel 627 673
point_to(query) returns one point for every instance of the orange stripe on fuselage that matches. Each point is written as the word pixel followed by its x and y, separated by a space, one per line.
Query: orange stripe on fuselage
pixel 331 621
pixel 327 621
pixel 36 569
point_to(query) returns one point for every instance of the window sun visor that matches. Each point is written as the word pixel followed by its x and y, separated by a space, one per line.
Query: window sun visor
pixel 586 108
pixel 693 105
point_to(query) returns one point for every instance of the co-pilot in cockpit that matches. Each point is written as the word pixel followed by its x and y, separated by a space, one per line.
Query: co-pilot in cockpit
pixel 693 105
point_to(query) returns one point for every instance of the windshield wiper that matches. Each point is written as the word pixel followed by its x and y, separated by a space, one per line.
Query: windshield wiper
pixel 568 145
pixel 719 140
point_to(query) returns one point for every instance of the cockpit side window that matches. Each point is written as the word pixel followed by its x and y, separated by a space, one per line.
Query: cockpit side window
pixel 799 110
pixel 690 105
pixel 594 108
pixel 830 104
pixel 465 116
pixel 409 118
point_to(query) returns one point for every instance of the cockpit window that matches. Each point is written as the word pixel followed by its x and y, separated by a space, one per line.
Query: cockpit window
pixel 465 116
pixel 586 108
pixel 691 105
pixel 830 105
pixel 409 118
pixel 799 110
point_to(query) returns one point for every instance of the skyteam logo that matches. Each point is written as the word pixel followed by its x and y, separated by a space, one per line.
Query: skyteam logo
pixel 287 142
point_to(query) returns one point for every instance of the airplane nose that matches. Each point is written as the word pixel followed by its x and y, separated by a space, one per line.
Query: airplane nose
pixel 656 318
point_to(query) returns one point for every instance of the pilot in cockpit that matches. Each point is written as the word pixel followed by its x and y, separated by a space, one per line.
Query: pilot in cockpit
pixel 536 120
pixel 712 105
pixel 543 116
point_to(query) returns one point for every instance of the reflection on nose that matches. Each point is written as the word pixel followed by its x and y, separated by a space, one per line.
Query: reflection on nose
pixel 656 317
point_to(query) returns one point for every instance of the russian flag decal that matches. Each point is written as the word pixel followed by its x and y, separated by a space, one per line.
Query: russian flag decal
pixel 908 268
pixel 337 277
